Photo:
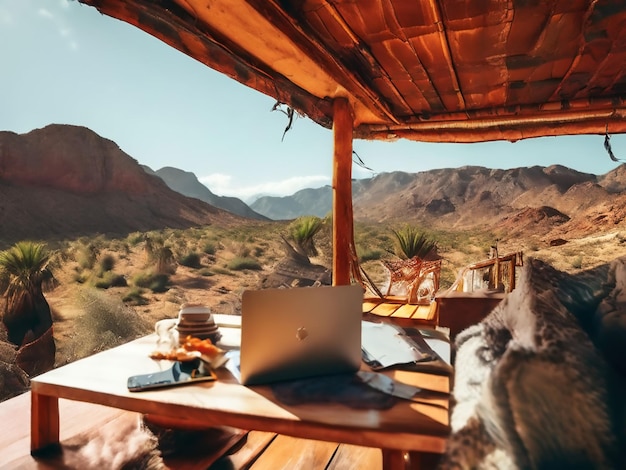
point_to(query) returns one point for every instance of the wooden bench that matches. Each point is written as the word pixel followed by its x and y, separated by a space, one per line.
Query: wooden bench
pixel 251 450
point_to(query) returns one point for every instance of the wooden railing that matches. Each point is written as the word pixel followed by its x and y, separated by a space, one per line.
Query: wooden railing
pixel 497 273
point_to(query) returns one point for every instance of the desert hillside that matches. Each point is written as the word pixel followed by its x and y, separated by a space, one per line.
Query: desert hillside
pixel 66 181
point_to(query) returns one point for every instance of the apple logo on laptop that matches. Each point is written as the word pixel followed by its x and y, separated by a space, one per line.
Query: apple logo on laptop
pixel 302 333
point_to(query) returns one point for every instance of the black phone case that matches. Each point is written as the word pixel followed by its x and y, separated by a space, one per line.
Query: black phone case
pixel 180 373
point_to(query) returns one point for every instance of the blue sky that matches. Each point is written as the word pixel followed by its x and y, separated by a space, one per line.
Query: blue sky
pixel 63 62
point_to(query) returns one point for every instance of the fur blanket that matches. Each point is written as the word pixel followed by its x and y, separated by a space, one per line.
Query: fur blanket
pixel 539 383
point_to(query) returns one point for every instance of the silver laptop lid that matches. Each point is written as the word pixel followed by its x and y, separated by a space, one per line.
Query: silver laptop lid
pixel 300 332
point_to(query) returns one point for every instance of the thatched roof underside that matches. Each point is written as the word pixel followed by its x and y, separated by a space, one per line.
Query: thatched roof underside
pixel 432 70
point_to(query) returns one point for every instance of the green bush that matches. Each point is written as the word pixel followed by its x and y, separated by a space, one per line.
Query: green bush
pixel 369 254
pixel 135 238
pixel 107 263
pixel 154 282
pixel 191 260
pixel 110 279
pixel 210 248
pixel 239 264
pixel 134 296
pixel 225 271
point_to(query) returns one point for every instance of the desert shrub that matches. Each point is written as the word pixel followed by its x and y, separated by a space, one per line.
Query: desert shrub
pixel 107 263
pixel 258 251
pixel 105 322
pixel 191 260
pixel 210 248
pixel 161 254
pixel 135 239
pixel 577 263
pixel 241 263
pixel 80 277
pixel 206 272
pixel 87 256
pixel 110 279
pixel 225 271
pixel 243 251
pixel 369 254
pixel 134 296
pixel 154 281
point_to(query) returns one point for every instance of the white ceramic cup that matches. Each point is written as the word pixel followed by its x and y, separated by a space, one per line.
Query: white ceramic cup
pixel 167 334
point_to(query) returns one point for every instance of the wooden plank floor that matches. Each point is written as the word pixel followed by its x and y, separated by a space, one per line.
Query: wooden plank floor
pixel 83 422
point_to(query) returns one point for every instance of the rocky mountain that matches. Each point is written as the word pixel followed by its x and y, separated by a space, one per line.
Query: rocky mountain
pixel 63 181
pixel 187 184
pixel 537 198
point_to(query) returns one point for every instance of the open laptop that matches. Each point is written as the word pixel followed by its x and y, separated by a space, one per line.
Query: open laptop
pixel 300 332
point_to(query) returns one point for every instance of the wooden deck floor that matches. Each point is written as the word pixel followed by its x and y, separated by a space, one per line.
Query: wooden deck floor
pixel 243 450
pixel 400 312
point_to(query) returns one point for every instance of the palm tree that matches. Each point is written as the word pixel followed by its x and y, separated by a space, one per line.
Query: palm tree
pixel 410 243
pixel 24 268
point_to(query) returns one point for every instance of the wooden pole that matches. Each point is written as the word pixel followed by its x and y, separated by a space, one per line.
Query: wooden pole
pixel 343 231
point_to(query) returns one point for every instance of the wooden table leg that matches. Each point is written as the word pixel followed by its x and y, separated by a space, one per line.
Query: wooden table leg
pixel 44 423
pixel 394 459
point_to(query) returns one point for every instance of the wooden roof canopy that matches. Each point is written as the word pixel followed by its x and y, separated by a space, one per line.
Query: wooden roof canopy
pixel 426 70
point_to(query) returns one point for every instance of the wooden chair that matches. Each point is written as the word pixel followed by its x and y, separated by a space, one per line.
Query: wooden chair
pixel 419 278
pixel 416 306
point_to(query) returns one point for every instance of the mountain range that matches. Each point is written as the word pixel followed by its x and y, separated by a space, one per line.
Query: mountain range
pixel 63 181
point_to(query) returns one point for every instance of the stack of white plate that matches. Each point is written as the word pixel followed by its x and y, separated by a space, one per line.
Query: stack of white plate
pixel 197 321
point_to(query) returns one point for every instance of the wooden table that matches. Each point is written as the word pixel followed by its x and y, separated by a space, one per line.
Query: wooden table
pixel 409 426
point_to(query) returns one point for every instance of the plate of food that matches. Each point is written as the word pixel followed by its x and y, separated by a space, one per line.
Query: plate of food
pixel 194 348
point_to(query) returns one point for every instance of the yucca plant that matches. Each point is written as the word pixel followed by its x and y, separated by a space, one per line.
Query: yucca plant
pixel 411 242
pixel 24 268
pixel 303 230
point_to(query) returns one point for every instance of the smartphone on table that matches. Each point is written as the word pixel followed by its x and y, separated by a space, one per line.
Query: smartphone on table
pixel 181 373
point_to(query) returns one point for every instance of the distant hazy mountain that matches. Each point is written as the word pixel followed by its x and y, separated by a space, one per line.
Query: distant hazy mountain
pixel 308 201
pixel 534 198
pixel 187 183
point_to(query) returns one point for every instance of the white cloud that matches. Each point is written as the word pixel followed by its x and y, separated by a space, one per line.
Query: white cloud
pixel 45 13
pixel 60 25
pixel 223 185
pixel 216 180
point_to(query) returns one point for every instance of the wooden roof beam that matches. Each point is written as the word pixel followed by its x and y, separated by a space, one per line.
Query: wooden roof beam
pixel 459 128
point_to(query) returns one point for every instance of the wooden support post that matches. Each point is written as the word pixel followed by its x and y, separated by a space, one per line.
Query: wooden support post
pixel 343 231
